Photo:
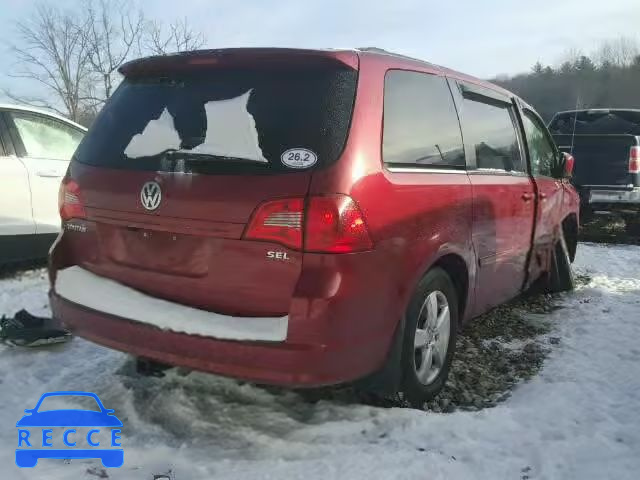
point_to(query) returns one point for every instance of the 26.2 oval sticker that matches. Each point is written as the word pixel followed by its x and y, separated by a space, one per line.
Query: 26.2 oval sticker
pixel 298 158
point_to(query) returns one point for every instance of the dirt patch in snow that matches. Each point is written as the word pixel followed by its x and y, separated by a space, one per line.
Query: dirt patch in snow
pixel 495 352
pixel 606 229
pixel 498 350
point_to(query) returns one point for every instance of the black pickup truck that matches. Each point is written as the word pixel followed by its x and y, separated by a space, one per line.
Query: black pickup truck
pixel 606 146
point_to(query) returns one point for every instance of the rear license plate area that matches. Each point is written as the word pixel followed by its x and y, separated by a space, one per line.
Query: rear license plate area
pixel 166 252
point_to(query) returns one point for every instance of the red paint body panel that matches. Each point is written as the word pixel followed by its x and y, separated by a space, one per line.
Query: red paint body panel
pixel 230 199
pixel 550 193
pixel 189 249
pixel 503 219
pixel 327 341
pixel 343 309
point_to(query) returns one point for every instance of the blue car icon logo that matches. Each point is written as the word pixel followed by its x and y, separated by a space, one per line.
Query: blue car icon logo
pixel 36 433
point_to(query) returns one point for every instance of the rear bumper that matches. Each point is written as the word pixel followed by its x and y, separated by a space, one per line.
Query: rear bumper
pixel 611 196
pixel 278 363
pixel 338 326
pixel 98 293
pixel 620 200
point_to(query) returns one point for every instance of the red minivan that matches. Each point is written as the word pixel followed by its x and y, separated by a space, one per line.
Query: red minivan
pixel 306 217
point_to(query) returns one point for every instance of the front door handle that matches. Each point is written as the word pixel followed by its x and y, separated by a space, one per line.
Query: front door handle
pixel 543 196
pixel 527 197
pixel 48 174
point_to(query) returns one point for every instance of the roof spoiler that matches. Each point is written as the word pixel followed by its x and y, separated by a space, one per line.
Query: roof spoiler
pixel 237 57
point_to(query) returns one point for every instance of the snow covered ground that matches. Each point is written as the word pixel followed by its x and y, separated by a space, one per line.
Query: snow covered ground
pixel 578 419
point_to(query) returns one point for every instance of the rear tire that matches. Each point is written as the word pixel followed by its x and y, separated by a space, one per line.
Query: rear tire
pixel 561 275
pixel 431 324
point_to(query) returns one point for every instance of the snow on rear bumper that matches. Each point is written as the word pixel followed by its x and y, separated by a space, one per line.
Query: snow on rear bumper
pixel 277 363
pixel 92 291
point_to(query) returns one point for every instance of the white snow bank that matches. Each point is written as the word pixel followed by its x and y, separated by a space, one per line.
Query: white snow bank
pixel 159 135
pixel 85 288
pixel 578 420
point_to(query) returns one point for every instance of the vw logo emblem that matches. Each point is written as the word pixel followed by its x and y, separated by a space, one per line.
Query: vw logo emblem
pixel 150 195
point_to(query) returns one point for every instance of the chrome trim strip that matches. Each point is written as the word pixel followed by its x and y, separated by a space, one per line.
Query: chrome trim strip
pixel 424 170
pixel 486 171
pixel 619 187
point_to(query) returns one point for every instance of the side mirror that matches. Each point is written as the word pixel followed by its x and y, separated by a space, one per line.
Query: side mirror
pixel 569 163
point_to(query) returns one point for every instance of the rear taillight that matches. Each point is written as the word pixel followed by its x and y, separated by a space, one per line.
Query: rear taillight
pixel 634 160
pixel 69 200
pixel 335 224
pixel 278 221
pixel 331 224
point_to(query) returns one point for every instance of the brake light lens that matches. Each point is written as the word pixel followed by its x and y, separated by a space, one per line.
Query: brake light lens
pixel 335 224
pixel 69 200
pixel 278 221
pixel 634 160
pixel 331 224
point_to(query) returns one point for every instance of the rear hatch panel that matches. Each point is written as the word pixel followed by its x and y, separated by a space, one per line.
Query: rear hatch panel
pixel 212 141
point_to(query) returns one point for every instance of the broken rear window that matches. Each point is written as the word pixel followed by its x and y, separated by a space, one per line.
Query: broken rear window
pixel 225 121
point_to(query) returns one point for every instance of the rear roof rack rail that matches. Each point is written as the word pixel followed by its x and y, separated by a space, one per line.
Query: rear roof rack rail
pixel 393 54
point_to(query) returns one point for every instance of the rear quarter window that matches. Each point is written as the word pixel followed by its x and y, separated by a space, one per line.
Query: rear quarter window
pixel 421 127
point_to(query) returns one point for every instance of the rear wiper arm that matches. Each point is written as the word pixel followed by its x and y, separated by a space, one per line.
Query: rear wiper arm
pixel 193 156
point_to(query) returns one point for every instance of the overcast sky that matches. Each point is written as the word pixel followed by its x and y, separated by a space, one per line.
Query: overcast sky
pixel 480 37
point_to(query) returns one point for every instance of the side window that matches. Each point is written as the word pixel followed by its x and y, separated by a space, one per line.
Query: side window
pixel 44 137
pixel 490 128
pixel 541 151
pixel 421 127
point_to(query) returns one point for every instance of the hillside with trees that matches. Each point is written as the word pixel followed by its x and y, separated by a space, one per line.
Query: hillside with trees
pixel 610 77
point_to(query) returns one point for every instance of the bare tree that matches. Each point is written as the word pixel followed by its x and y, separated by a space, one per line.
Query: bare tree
pixel 619 52
pixel 537 68
pixel 74 55
pixel 52 51
pixel 178 37
pixel 112 34
pixel 569 57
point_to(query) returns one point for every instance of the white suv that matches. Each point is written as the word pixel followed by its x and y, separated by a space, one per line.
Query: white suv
pixel 35 149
